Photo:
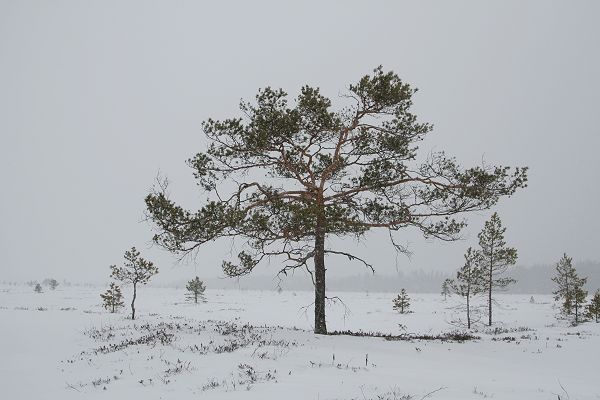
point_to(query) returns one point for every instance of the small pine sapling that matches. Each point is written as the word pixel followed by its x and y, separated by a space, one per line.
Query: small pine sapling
pixel 113 298
pixel 402 302
pixel 53 283
pixel 469 281
pixel 494 259
pixel 446 288
pixel 579 296
pixel 570 288
pixel 593 309
pixel 136 270
pixel 37 288
pixel 564 280
pixel 195 289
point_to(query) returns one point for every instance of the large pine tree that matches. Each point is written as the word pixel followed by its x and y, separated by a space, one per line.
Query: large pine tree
pixel 494 259
pixel 285 177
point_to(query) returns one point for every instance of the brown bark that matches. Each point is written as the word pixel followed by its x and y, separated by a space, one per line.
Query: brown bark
pixel 133 301
pixel 468 312
pixel 319 259
pixel 490 298
pixel 491 283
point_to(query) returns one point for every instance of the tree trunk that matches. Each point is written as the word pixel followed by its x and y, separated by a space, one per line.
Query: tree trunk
pixel 319 259
pixel 490 297
pixel 490 306
pixel 196 297
pixel 133 302
pixel 468 311
pixel 491 282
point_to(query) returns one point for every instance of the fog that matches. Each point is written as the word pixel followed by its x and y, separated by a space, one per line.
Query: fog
pixel 97 98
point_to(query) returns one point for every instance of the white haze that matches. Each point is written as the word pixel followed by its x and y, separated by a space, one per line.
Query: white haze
pixel 97 97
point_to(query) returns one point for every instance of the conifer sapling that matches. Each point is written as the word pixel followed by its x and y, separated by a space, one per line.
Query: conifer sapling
pixel 579 297
pixel 113 299
pixel 53 283
pixel 402 302
pixel 446 288
pixel 566 280
pixel 136 270
pixel 494 259
pixel 196 289
pixel 593 309
pixel 469 281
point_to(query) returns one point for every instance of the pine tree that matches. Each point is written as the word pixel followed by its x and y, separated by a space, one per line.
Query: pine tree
pixel 579 297
pixel 196 289
pixel 53 283
pixel 494 259
pixel 570 288
pixel 402 302
pixel 565 273
pixel 593 309
pixel 113 299
pixel 446 288
pixel 469 281
pixel 136 270
pixel 37 288
pixel 305 170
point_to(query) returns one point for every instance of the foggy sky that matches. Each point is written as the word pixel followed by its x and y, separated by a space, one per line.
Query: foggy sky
pixel 97 97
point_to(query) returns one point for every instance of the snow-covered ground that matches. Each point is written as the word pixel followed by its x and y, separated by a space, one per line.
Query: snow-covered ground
pixel 259 345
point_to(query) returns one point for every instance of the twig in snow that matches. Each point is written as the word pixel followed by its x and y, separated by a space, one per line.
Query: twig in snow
pixel 72 387
pixel 432 392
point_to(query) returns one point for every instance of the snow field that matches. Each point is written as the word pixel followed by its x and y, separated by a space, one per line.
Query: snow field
pixel 259 345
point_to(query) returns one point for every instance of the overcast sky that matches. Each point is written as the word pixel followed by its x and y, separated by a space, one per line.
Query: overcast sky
pixel 96 97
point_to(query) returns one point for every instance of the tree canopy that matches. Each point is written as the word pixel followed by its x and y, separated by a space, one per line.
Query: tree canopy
pixel 283 177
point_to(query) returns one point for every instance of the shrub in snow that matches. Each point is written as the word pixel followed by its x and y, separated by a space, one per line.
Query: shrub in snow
pixel 402 302
pixel 38 288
